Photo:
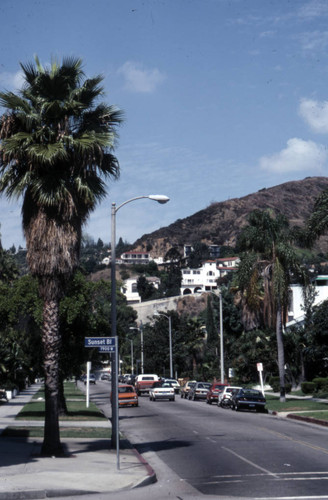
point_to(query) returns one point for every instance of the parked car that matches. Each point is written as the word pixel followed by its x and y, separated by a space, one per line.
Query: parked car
pixel 105 376
pixel 213 394
pixel 199 391
pixel 249 399
pixel 162 390
pixel 226 394
pixel 92 379
pixel 127 395
pixel 184 391
pixel 175 384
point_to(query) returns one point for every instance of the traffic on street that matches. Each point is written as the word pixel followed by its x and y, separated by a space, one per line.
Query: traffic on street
pixel 221 452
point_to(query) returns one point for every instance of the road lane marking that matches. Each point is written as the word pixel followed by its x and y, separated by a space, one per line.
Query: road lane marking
pixel 314 497
pixel 304 443
pixel 250 463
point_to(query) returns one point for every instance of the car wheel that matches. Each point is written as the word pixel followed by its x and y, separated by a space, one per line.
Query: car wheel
pixel 236 407
pixel 172 399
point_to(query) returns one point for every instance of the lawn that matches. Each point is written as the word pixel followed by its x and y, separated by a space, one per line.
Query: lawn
pixel 76 406
pixel 77 411
pixel 298 405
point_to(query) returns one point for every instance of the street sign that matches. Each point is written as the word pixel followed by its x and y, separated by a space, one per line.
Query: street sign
pixel 106 348
pixel 104 344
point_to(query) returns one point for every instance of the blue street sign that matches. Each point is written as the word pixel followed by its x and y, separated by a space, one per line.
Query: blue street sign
pixel 106 348
pixel 105 344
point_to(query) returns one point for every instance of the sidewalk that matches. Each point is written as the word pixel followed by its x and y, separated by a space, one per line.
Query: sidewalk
pixel 90 466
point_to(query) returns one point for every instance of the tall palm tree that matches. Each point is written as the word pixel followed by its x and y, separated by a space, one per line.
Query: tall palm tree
pixel 271 260
pixel 56 153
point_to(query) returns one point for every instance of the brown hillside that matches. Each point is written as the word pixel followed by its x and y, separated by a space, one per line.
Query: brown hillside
pixel 221 222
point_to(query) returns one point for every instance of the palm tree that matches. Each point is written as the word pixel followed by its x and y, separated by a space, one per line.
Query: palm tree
pixel 270 262
pixel 56 153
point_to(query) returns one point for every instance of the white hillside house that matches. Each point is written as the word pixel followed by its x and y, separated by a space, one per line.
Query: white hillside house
pixel 295 310
pixel 201 279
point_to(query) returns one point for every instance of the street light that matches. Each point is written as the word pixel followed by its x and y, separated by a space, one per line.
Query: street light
pixel 170 340
pixel 141 343
pixel 160 198
pixel 221 335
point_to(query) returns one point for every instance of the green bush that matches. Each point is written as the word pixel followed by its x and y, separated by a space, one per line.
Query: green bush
pixel 275 384
pixel 308 387
pixel 321 384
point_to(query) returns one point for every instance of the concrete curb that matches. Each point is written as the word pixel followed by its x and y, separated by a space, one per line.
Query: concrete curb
pixel 309 420
pixel 151 478
pixel 300 418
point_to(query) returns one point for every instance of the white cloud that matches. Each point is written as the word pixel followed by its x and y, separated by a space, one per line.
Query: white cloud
pixel 315 113
pixel 139 79
pixel 313 9
pixel 299 155
pixel 11 81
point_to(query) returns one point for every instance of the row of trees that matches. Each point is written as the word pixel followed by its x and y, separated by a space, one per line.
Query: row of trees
pixel 56 152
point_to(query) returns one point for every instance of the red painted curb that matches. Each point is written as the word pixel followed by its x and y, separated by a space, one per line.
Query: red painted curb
pixel 310 420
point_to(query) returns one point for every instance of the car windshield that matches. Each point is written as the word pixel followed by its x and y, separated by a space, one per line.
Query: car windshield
pixel 157 384
pixel 252 393
pixel 123 390
pixel 167 384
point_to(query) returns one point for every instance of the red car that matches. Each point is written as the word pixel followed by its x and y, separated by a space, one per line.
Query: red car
pixel 213 393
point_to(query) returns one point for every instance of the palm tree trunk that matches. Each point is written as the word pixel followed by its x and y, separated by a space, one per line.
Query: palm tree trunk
pixel 51 341
pixel 62 406
pixel 281 354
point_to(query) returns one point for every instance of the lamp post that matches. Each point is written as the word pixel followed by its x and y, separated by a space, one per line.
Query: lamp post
pixel 160 198
pixel 170 339
pixel 141 343
pixel 221 336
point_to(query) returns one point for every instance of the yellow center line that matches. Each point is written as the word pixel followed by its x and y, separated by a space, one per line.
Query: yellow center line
pixel 303 443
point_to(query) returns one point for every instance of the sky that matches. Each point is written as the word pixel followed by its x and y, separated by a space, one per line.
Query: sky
pixel 221 98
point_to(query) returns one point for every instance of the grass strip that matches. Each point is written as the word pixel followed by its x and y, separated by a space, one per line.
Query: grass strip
pixel 293 404
pixel 76 406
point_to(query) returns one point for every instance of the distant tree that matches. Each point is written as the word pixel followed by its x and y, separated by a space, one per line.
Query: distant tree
pixel 122 247
pixel 100 243
pixel 145 289
pixel 199 254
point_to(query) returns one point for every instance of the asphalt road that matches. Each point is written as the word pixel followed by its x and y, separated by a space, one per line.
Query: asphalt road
pixel 227 453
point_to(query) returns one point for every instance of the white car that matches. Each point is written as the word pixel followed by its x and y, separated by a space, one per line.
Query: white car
pixel 227 393
pixel 162 390
pixel 175 384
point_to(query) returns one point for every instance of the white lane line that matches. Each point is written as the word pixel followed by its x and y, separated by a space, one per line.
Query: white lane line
pixel 250 463
pixel 292 498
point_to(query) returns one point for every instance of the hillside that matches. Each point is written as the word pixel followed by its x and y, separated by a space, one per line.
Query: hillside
pixel 221 222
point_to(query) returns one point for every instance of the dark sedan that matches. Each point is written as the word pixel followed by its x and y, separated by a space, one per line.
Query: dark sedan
pixel 248 399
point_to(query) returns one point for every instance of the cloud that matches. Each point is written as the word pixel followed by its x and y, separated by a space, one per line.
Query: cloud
pixel 313 41
pixel 315 114
pixel 313 9
pixel 299 155
pixel 11 81
pixel 139 79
